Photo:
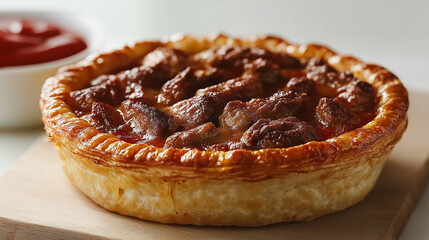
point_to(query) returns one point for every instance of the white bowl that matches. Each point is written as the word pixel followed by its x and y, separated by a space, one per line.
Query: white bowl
pixel 20 86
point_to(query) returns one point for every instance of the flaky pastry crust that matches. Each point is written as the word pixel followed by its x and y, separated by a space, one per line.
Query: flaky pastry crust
pixel 237 187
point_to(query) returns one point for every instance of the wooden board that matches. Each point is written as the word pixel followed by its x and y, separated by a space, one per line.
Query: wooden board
pixel 38 202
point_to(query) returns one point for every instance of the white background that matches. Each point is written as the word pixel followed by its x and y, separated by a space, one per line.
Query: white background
pixel 394 34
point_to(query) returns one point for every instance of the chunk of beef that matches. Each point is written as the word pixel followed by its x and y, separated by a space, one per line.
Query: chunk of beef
pixel 327 79
pixel 319 65
pixel 192 138
pixel 301 85
pixel 198 110
pixel 357 96
pixel 167 60
pixel 109 120
pixel 237 56
pixel 267 69
pixel 223 57
pixel 243 88
pixel 324 76
pixel 109 92
pixel 187 82
pixel 145 76
pixel 150 124
pixel 280 133
pixel 330 113
pixel 106 118
pixel 209 102
pixel 334 119
pixel 126 79
pixel 240 115
pixel 211 76
pixel 178 88
pixel 141 94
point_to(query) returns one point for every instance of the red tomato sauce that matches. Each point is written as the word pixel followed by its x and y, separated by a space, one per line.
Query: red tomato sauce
pixel 24 42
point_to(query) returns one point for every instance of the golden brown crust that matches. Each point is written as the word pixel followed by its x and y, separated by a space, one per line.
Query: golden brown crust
pixel 334 158
pixel 205 201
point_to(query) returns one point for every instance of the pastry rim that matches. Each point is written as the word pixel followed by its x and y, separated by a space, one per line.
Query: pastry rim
pixel 68 130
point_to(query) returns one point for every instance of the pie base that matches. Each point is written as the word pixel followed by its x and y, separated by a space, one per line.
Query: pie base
pixel 297 196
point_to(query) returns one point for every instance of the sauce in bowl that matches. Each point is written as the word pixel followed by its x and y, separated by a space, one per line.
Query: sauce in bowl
pixel 24 42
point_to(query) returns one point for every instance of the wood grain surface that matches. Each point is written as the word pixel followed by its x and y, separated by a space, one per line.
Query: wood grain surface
pixel 38 202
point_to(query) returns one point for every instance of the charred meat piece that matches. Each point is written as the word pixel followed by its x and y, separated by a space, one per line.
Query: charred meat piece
pixel 240 115
pixel 327 79
pixel 109 92
pixel 192 138
pixel 187 82
pixel 330 113
pixel 334 119
pixel 198 110
pixel 223 57
pixel 150 124
pixel 109 120
pixel 211 76
pixel 280 133
pixel 357 96
pixel 243 88
pixel 237 56
pixel 146 96
pixel 318 65
pixel 267 69
pixel 209 102
pixel 301 85
pixel 167 60
pixel 106 118
pixel 178 88
pixel 148 77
